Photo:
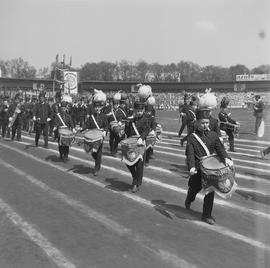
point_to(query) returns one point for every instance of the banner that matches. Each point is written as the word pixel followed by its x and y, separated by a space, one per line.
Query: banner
pixel 70 83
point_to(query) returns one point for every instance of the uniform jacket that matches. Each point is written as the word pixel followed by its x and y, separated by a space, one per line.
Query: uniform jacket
pixel 142 125
pixel 66 118
pixel 214 125
pixel 224 117
pixel 42 111
pixel 101 120
pixel 194 150
pixel 12 108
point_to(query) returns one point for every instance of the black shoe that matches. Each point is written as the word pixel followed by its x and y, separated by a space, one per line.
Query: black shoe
pixel 262 154
pixel 61 156
pixel 46 146
pixel 19 139
pixel 146 164
pixel 232 150
pixel 135 189
pixel 187 205
pixel 181 142
pixel 95 173
pixel 210 220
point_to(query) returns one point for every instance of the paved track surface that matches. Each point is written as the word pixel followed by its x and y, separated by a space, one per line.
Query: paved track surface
pixel 55 214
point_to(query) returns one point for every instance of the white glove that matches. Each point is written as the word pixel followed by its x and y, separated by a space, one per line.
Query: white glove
pixel 34 118
pixel 10 118
pixel 48 119
pixel 6 109
pixel 192 171
pixel 104 133
pixel 228 162
pixel 221 140
pixel 140 141
pixel 74 130
pixel 119 123
pixel 152 132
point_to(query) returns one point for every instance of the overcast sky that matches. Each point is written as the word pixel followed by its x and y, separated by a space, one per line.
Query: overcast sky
pixel 207 32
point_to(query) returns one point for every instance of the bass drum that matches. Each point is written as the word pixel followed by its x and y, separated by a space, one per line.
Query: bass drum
pixel 216 176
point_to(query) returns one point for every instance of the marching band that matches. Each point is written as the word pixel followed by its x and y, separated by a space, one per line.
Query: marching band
pixel 135 130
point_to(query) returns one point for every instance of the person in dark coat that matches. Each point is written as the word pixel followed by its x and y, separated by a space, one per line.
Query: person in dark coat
pixel 4 117
pixel 183 110
pixel 258 108
pixel 194 152
pixel 141 126
pixel 67 120
pixel 56 107
pixel 42 117
pixel 16 109
pixel 226 122
pixel 97 120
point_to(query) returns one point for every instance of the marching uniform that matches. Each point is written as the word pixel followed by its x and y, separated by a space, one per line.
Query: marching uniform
pixel 42 117
pixel 18 108
pixel 225 121
pixel 141 124
pixel 97 120
pixel 149 114
pixel 258 108
pixel 63 149
pixel 183 110
pixel 4 117
pixel 194 152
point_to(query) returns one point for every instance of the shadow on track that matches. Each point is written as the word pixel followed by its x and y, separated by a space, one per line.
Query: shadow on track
pixel 170 210
pixel 256 197
pixel 117 185
pixel 81 169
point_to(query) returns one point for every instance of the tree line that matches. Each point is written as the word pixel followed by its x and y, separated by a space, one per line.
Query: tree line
pixel 184 71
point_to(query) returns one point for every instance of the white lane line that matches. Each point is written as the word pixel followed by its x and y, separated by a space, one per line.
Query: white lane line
pixel 237 140
pixel 220 202
pixel 111 225
pixel 53 253
pixel 183 156
pixel 218 229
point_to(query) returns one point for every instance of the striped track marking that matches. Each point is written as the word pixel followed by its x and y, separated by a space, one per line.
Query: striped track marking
pixel 53 253
pixel 111 225
pixel 218 229
pixel 158 183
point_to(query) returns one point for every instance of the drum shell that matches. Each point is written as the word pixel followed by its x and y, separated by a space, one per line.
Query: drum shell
pixel 220 178
pixel 92 140
pixel 159 132
pixel 131 151
pixel 66 137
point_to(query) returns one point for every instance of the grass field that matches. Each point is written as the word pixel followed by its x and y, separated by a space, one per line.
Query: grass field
pixel 169 121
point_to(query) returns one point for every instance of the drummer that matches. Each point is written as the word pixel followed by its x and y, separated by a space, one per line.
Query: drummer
pixel 194 151
pixel 150 115
pixel 226 122
pixel 114 138
pixel 66 118
pixel 141 126
pixel 98 120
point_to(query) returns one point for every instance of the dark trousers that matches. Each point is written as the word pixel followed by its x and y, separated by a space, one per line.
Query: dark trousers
pixel 267 150
pixel 4 128
pixel 114 141
pixel 63 150
pixel 184 123
pixel 16 127
pixel 137 172
pixel 231 139
pixel 148 154
pixel 98 157
pixel 42 127
pixel 194 186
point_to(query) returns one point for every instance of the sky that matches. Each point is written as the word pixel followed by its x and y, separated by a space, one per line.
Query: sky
pixel 206 32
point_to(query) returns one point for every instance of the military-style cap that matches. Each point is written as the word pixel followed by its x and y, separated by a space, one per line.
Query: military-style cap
pixel 202 114
pixel 139 105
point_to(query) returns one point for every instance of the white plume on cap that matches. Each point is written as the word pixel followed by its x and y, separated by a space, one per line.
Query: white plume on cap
pixel 99 96
pixel 117 96
pixel 144 91
pixel 151 100
pixel 67 98
pixel 208 100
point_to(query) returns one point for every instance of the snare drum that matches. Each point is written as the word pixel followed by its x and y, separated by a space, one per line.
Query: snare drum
pixel 117 129
pixel 93 138
pixel 235 128
pixel 150 141
pixel 159 132
pixel 66 136
pixel 131 151
pixel 217 177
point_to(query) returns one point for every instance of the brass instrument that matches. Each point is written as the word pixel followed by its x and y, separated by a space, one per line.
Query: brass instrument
pixel 15 114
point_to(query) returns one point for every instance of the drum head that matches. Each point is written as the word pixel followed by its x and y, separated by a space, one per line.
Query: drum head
pixel 93 134
pixel 212 162
pixel 65 131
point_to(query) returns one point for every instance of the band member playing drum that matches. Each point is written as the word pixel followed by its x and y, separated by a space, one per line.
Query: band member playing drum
pixel 15 111
pixel 226 122
pixel 56 109
pixel 97 120
pixel 63 121
pixel 42 117
pixel 194 152
pixel 139 126
pixel 149 114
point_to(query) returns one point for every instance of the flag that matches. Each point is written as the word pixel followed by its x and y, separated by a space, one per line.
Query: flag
pixel 70 61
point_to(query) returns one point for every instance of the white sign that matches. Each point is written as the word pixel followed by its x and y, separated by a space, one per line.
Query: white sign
pixel 71 83
pixel 252 77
